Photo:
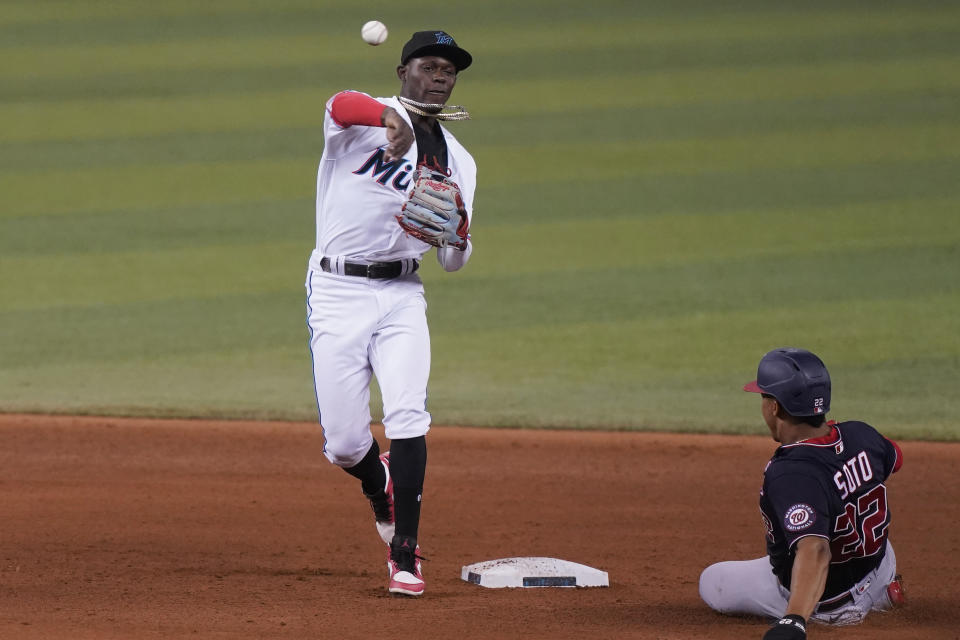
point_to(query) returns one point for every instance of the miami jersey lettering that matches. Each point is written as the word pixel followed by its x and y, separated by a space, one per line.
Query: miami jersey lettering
pixel 353 170
pixel 382 171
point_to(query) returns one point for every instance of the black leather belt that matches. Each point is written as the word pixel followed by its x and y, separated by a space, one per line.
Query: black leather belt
pixel 837 603
pixel 375 270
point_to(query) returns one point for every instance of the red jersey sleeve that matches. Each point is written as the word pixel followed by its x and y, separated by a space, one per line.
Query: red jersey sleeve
pixel 898 462
pixel 350 108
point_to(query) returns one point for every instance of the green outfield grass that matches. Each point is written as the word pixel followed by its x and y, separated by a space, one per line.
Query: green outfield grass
pixel 667 190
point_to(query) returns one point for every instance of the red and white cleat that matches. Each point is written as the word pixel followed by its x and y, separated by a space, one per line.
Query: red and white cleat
pixel 404 566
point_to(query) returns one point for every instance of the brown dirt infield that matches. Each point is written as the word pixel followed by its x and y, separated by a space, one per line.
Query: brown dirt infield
pixel 116 528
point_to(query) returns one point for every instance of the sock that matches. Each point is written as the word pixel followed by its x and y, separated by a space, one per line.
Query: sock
pixel 370 471
pixel 408 465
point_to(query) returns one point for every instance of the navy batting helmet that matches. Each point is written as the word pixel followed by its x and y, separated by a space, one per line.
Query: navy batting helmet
pixel 798 380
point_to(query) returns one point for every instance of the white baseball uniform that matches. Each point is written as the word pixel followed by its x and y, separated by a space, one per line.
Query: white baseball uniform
pixel 362 326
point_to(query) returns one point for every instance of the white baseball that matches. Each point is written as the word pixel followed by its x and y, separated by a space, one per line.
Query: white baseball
pixel 374 32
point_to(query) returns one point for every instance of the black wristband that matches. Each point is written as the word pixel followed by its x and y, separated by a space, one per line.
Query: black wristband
pixel 791 627
pixel 797 621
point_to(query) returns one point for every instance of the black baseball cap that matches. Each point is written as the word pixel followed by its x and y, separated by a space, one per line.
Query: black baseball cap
pixel 797 378
pixel 436 43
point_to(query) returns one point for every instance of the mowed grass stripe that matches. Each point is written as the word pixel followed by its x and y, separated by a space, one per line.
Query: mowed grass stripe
pixel 98 118
pixel 256 52
pixel 208 384
pixel 641 378
pixel 88 280
pixel 165 149
pixel 619 295
pixel 893 395
pixel 640 196
pixel 650 123
pixel 152 329
pixel 158 229
pixel 602 241
pixel 344 73
pixel 854 328
pixel 666 27
pixel 142 23
pixel 138 187
pixel 821 147
pixel 110 118
pixel 659 372
pixel 113 188
pixel 559 253
pixel 712 119
pixel 739 84
pixel 771 29
pixel 22 12
pixel 498 230
pixel 56 22
pixel 249 314
pixel 625 45
pixel 766 189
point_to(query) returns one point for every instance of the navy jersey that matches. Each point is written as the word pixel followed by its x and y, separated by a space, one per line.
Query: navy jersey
pixel 831 487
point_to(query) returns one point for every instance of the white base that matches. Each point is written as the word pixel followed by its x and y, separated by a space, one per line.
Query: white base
pixel 533 572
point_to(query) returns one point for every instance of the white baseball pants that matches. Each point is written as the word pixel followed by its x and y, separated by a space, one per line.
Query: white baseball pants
pixel 361 327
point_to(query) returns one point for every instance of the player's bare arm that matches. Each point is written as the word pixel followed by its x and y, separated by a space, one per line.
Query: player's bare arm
pixel 399 134
pixel 809 575
pixel 808 579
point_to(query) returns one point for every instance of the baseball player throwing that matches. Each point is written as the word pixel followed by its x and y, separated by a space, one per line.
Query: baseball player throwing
pixel 824 506
pixel 392 184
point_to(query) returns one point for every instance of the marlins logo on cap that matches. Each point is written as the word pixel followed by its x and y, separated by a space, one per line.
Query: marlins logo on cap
pixel 435 43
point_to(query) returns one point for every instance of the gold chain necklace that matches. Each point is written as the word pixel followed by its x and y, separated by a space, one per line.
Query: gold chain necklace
pixel 434 110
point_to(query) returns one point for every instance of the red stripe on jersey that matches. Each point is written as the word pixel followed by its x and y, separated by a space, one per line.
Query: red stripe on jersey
pixel 350 108
pixel 828 440
pixel 899 461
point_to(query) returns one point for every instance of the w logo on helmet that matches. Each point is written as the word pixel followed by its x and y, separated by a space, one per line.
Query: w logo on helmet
pixel 443 38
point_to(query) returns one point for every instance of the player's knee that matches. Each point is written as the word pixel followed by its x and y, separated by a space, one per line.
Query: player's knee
pixel 712 587
pixel 346 452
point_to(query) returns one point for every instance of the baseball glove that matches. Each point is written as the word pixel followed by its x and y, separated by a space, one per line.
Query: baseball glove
pixel 434 212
